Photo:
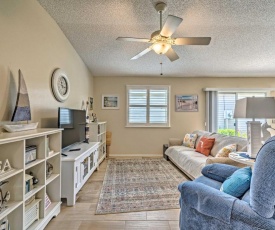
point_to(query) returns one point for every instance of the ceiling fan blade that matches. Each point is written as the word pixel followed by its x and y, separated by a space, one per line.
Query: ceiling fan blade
pixel 142 53
pixel 193 41
pixel 133 39
pixel 172 55
pixel 170 26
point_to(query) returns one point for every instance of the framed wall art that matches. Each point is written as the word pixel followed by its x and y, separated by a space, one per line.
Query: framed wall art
pixel 110 101
pixel 91 103
pixel 187 103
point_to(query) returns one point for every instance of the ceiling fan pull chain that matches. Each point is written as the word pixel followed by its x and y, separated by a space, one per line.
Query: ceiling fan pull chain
pixel 161 68
pixel 160 15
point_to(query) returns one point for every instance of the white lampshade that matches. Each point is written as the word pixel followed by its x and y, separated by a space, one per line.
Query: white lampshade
pixel 161 47
pixel 255 107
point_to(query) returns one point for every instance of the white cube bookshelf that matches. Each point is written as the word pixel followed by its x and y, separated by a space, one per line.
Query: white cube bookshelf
pixel 12 147
pixel 97 133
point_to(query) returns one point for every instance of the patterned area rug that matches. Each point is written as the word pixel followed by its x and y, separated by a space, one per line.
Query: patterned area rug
pixel 139 185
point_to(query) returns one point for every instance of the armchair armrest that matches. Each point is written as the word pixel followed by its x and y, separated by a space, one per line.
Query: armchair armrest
pixel 221 206
pixel 218 172
pixel 206 200
pixel 243 212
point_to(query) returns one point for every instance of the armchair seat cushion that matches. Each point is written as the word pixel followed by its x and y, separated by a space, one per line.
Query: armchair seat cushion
pixel 208 181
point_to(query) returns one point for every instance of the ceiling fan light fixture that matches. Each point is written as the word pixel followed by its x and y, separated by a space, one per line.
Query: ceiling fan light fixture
pixel 161 47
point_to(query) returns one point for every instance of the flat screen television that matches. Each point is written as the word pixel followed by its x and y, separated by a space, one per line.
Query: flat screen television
pixel 73 122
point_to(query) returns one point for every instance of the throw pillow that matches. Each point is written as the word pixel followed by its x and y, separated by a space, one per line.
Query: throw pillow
pixel 189 140
pixel 238 183
pixel 224 152
pixel 205 145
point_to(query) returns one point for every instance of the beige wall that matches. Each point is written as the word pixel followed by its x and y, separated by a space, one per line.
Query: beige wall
pixel 30 40
pixel 149 141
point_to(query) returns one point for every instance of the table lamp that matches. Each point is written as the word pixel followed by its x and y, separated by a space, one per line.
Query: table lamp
pixel 254 107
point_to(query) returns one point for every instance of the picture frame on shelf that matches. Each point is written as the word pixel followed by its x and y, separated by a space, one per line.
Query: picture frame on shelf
pixel 110 101
pixel 47 201
pixel 187 103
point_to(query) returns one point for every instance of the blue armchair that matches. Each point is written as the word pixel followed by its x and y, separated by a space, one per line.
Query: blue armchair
pixel 204 206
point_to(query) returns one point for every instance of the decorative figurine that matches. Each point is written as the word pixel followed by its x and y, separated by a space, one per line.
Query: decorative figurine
pixel 4 198
pixel 94 117
pixel 34 179
pixel 49 169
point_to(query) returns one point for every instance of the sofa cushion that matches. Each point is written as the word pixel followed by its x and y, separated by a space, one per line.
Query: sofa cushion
pixel 238 183
pixel 224 160
pixel 187 159
pixel 224 140
pixel 205 145
pixel 200 134
pixel 189 140
pixel 224 152
pixel 174 142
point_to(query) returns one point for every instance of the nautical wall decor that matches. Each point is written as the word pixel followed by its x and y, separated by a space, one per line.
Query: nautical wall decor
pixel 22 111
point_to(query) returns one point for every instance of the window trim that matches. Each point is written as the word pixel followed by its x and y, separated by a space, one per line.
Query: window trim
pixel 148 125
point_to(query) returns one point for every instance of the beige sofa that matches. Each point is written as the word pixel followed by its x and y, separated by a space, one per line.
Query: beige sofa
pixel 192 162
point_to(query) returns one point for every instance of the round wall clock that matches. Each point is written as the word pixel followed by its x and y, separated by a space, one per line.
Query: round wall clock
pixel 60 85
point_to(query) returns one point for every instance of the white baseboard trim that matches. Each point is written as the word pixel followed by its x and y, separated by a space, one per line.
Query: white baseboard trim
pixel 135 156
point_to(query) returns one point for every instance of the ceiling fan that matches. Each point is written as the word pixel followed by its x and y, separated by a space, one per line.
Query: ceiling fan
pixel 161 39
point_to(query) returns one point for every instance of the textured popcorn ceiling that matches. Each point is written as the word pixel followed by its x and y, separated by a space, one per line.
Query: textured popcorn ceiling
pixel 242 31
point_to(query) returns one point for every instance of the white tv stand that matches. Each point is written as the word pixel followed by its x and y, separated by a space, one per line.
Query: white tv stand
pixel 77 167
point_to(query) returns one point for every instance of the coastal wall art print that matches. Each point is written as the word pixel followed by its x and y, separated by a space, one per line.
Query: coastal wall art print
pixel 187 103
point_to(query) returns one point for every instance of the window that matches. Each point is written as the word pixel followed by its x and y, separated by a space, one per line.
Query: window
pixel 226 104
pixel 148 106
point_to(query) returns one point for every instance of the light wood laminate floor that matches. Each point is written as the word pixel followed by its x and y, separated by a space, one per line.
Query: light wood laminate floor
pixel 82 215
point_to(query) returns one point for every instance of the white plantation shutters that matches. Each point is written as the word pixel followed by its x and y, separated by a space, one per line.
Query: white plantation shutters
pixel 148 106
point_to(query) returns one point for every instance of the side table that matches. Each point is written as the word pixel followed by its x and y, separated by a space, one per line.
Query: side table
pixel 236 157
pixel 165 147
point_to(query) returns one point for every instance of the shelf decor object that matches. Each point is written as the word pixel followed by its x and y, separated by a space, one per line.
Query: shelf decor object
pixel 47 201
pixel 30 154
pixel 5 166
pixel 22 111
pixel 4 198
pixel 32 213
pixel 4 224
pixel 29 183
pixel 254 107
pixel 49 169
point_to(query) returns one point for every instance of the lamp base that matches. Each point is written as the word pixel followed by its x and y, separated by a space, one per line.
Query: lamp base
pixel 253 138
